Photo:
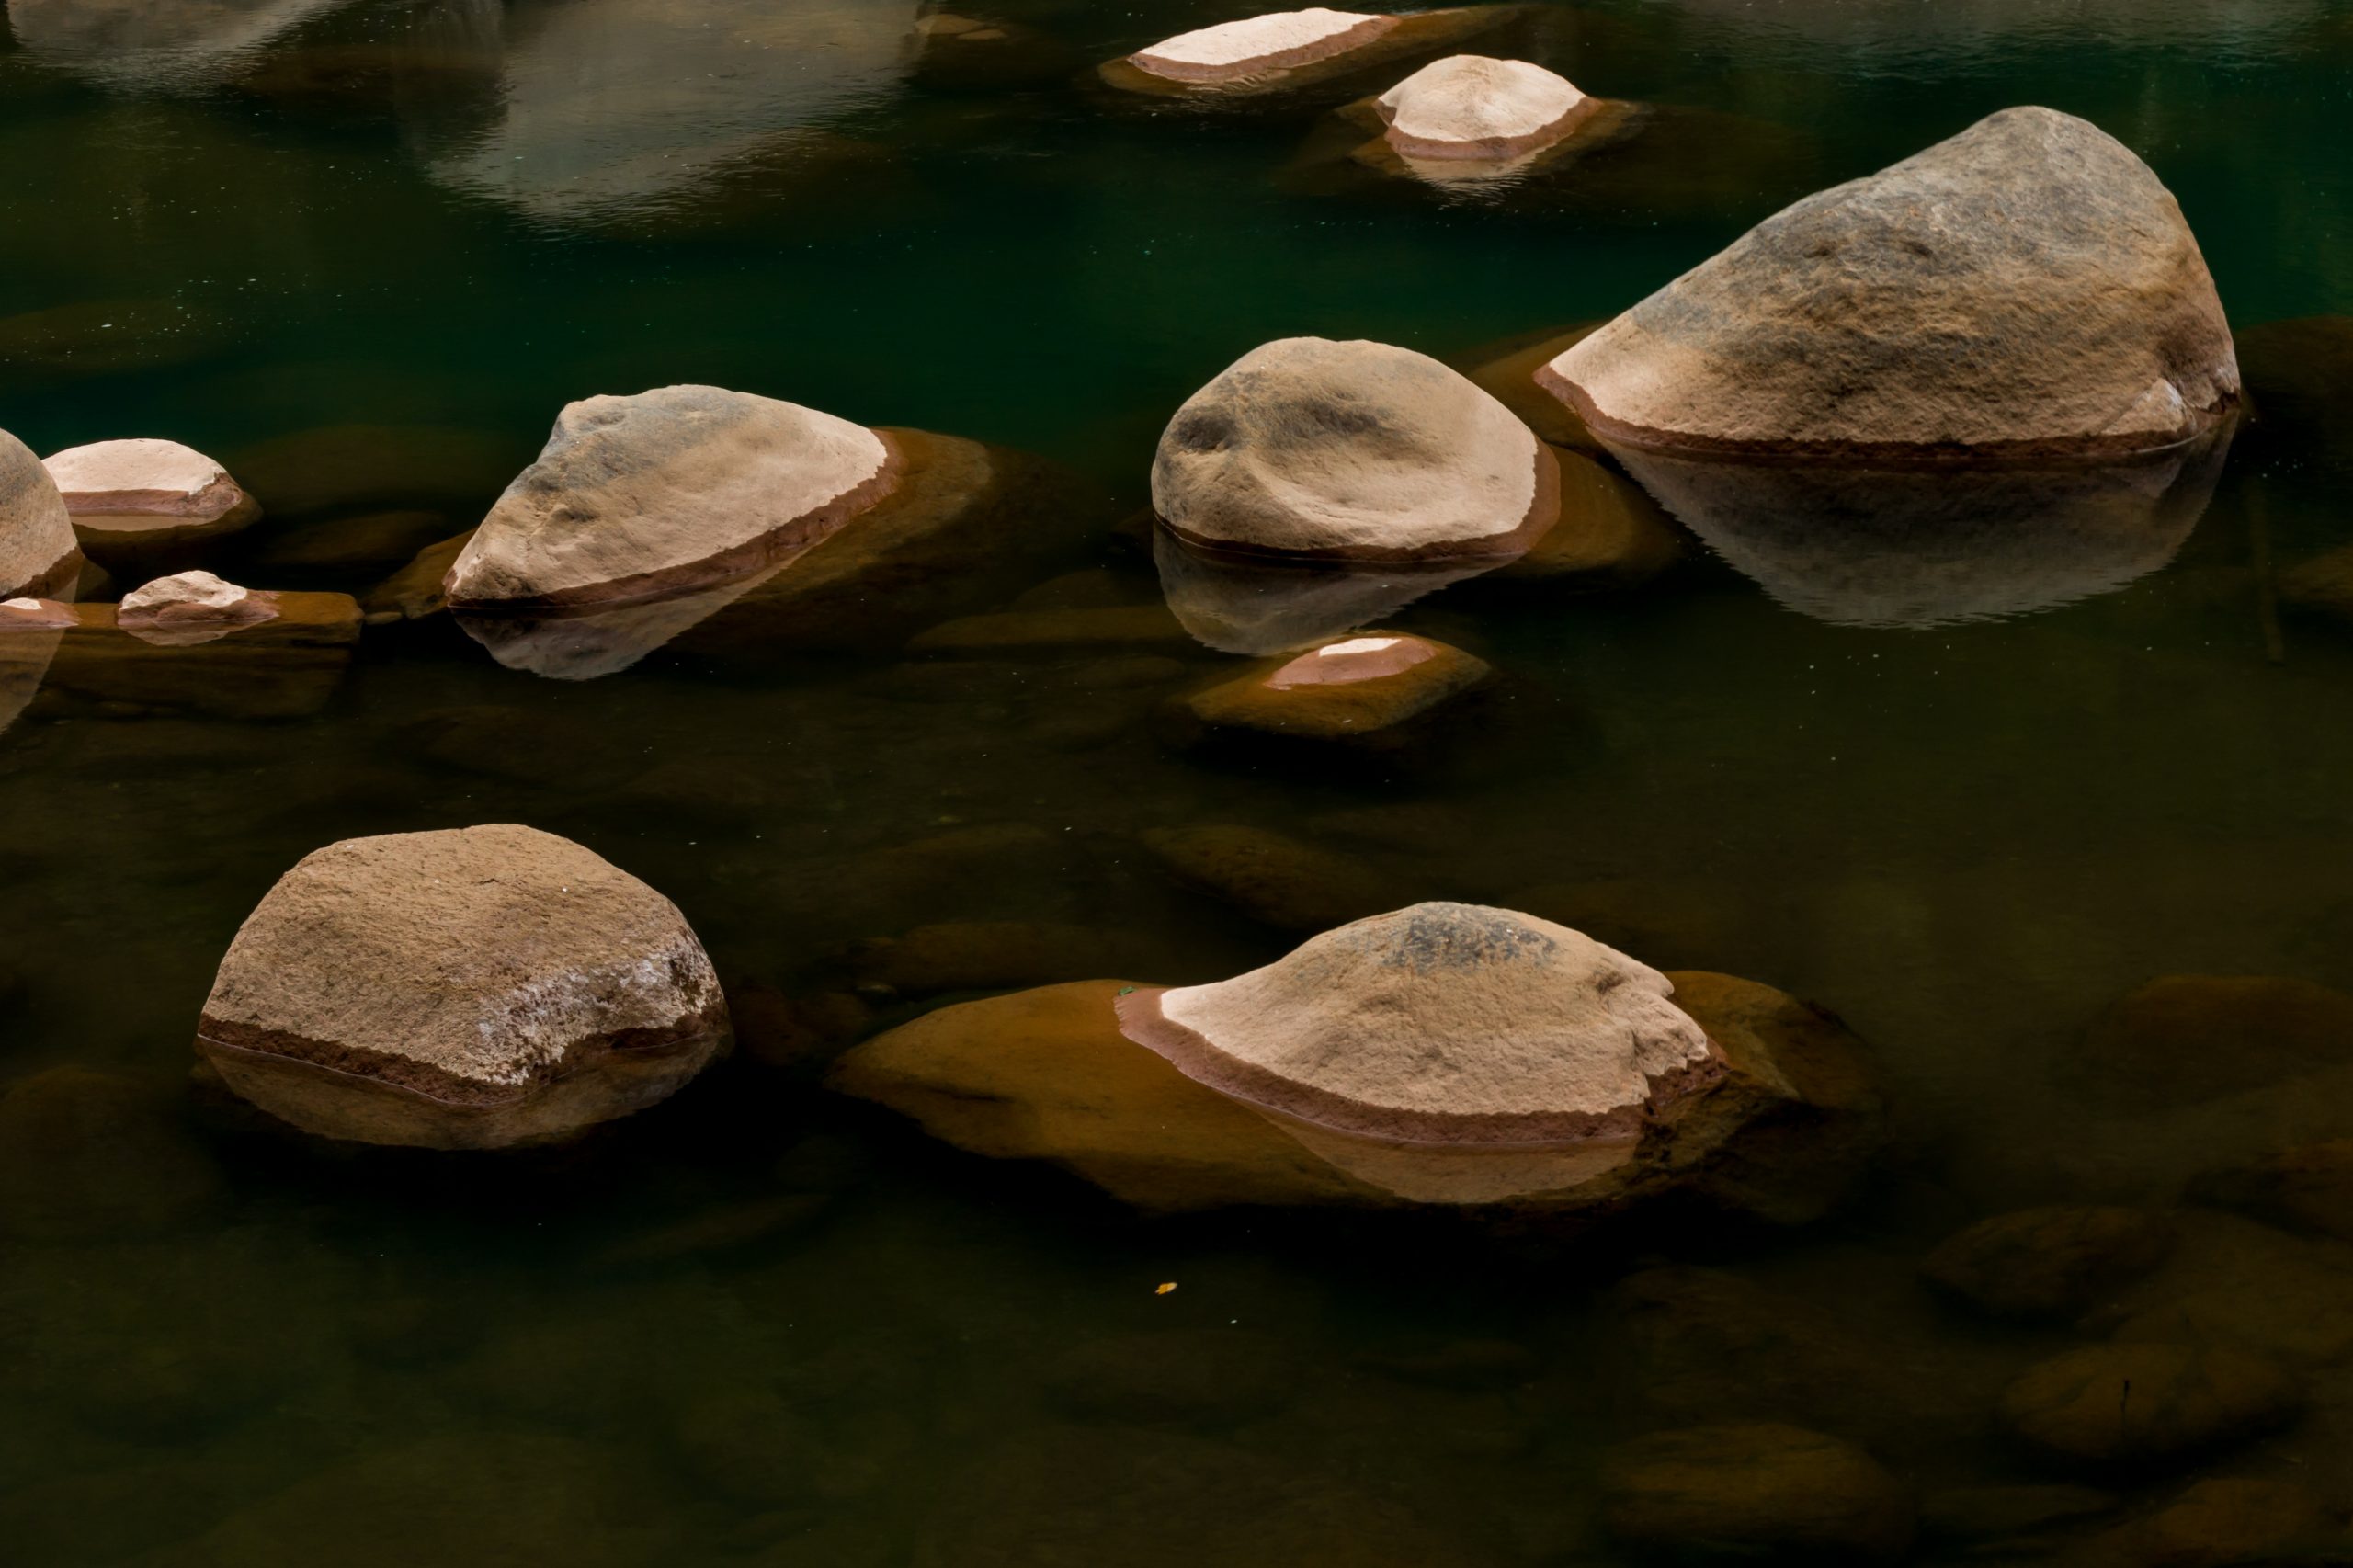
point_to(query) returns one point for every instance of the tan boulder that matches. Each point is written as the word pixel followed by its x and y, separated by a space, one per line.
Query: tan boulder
pixel 2027 287
pixel 2145 1403
pixel 1744 1492
pixel 1443 1023
pixel 673 490
pixel 40 557
pixel 189 607
pixel 1474 107
pixel 472 988
pixel 1256 45
pixel 142 492
pixel 1353 451
pixel 1371 690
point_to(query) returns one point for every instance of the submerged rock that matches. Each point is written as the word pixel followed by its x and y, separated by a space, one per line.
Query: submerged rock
pixel 473 988
pixel 2027 287
pixel 1274 58
pixel 134 493
pixel 2013 1517
pixel 673 490
pixel 88 1154
pixel 2188 1038
pixel 1378 690
pixel 1354 451
pixel 40 557
pixel 1775 1117
pixel 1474 107
pixel 2226 1520
pixel 2048 1263
pixel 2146 1404
pixel 1740 1492
pixel 1271 877
pixel 191 607
pixel 282 665
pixel 2308 1188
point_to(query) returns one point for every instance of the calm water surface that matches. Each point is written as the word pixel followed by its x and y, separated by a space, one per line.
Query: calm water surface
pixel 363 249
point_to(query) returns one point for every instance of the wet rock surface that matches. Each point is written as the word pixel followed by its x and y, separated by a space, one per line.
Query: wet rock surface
pixel 2047 1263
pixel 1377 690
pixel 1751 1493
pixel 2145 1405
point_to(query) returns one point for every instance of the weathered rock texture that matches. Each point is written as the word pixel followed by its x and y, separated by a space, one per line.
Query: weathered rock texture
pixel 39 555
pixel 665 492
pixel 465 989
pixel 1256 45
pixel 147 492
pixel 1355 450
pixel 2027 287
pixel 1474 107
pixel 1442 1023
pixel 190 607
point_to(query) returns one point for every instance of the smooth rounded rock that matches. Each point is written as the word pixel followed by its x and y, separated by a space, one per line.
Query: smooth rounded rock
pixel 146 492
pixel 665 492
pixel 1750 1492
pixel 1254 45
pixel 472 988
pixel 2048 1263
pixel 2024 287
pixel 2144 1404
pixel 1442 1023
pixel 1354 451
pixel 2184 1039
pixel 1475 106
pixel 40 557
pixel 188 608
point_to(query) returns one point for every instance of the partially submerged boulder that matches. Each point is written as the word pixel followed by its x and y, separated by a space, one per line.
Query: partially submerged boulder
pixel 1475 107
pixel 1760 1104
pixel 1256 45
pixel 2024 287
pixel 40 557
pixel 1374 690
pixel 1351 451
pixel 1276 58
pixel 189 607
pixel 2184 1039
pixel 138 493
pixel 673 490
pixel 472 988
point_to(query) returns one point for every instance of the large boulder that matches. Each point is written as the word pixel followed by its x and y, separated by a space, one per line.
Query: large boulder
pixel 142 493
pixel 2024 287
pixel 667 491
pixel 1354 451
pixel 472 988
pixel 39 555
pixel 1473 106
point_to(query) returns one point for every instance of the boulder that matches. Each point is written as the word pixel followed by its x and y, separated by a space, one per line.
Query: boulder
pixel 2226 1520
pixel 2308 1188
pixel 2048 1263
pixel 677 489
pixel 1741 1492
pixel 40 557
pixel 1444 1023
pixel 1351 451
pixel 473 988
pixel 1271 877
pixel 89 1154
pixel 1475 107
pixel 2024 287
pixel 189 607
pixel 2188 1038
pixel 1253 46
pixel 1376 692
pixel 2144 1404
pixel 133 494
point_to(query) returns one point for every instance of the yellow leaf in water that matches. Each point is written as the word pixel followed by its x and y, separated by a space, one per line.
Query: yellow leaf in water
pixel 1165 1288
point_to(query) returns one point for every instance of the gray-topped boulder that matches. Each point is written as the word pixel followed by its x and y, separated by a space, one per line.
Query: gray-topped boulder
pixel 470 988
pixel 39 555
pixel 1351 451
pixel 1473 106
pixel 2026 287
pixel 665 492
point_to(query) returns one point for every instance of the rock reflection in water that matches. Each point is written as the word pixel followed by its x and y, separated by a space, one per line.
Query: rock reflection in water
pixel 153 42
pixel 1931 546
pixel 601 643
pixel 1238 604
pixel 27 644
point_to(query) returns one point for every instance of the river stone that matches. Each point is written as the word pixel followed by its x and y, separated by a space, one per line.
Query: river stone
pixel 2308 1188
pixel 2048 1263
pixel 2226 1520
pixel 1447 1023
pixel 2144 1404
pixel 671 490
pixel 146 492
pixel 1471 106
pixel 1271 877
pixel 2027 287
pixel 470 988
pixel 2184 1038
pixel 188 608
pixel 1740 1492
pixel 1254 45
pixel 1354 451
pixel 1367 690
pixel 40 557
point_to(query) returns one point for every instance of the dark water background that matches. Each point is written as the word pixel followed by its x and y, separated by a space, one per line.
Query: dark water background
pixel 441 222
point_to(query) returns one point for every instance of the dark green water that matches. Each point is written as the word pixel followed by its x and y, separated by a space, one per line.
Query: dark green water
pixel 439 222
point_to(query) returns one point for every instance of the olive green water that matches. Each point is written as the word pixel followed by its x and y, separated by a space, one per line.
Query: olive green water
pixel 763 1325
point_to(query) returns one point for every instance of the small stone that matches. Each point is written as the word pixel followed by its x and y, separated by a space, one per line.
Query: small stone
pixel 191 607
pixel 1474 107
pixel 1373 690
pixel 1272 877
pixel 2146 1404
pixel 1739 1493
pixel 2048 1263
pixel 144 493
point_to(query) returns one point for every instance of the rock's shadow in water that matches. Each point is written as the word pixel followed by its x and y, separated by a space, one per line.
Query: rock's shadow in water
pixel 1238 604
pixel 1922 547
